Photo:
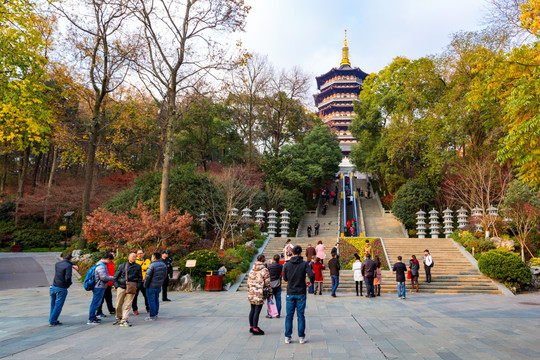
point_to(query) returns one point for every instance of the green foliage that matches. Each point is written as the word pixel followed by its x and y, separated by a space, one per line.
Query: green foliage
pixel 231 276
pixel 504 266
pixel 477 256
pixel 534 262
pixel 206 260
pixel 411 197
pixel 37 238
pixel 350 246
pixel 259 243
pixel 7 208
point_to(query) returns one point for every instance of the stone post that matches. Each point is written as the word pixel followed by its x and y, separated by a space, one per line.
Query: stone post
pixel 272 223
pixel 421 224
pixel 434 223
pixel 285 216
pixel 462 218
pixel 448 221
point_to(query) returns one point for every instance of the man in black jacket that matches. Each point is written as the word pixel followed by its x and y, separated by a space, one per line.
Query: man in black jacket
pixel 400 268
pixel 275 269
pixel 368 269
pixel 334 267
pixel 167 261
pixel 59 288
pixel 294 272
pixel 123 299
pixel 155 276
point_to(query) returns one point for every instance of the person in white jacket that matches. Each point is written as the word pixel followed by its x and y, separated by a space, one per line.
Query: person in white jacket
pixel 428 264
pixel 357 273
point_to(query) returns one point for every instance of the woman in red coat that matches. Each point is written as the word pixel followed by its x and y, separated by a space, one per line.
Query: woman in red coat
pixel 318 268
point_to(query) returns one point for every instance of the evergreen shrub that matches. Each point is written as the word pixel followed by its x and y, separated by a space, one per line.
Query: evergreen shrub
pixel 38 238
pixel 206 260
pixel 504 266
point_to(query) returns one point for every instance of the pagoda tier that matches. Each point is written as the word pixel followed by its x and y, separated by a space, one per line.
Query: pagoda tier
pixel 337 91
pixel 343 75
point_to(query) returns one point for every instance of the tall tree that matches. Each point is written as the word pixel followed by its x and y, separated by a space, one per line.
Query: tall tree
pixel 180 50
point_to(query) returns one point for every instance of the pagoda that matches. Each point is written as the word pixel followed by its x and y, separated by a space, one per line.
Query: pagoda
pixel 338 88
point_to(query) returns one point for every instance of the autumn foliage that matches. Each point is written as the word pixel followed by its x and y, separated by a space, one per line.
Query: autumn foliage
pixel 139 228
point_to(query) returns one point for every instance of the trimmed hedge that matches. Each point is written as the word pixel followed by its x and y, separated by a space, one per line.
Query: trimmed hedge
pixel 38 238
pixel 504 266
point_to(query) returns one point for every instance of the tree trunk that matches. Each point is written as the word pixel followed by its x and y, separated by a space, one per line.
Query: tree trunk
pixel 166 171
pixel 50 182
pixel 23 167
pixel 3 177
pixel 36 171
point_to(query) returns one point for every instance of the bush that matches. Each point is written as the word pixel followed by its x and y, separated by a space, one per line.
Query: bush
pixel 206 260
pixel 7 208
pixel 534 262
pixel 410 197
pixel 38 238
pixel 477 256
pixel 231 276
pixel 504 266
pixel 259 243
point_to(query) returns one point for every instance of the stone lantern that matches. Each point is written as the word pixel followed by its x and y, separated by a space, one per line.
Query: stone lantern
pixel 272 223
pixel 448 221
pixel 246 213
pixel 434 223
pixel 492 211
pixel 462 218
pixel 234 212
pixel 421 224
pixel 477 212
pixel 259 215
pixel 285 216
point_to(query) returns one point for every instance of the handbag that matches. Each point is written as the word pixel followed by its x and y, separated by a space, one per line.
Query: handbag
pixel 275 283
pixel 409 274
pixel 131 286
pixel 272 308
pixel 266 292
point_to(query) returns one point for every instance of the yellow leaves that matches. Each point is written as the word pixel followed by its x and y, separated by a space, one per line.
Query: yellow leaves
pixel 530 16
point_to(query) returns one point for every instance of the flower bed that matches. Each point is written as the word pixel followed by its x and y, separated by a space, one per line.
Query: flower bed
pixel 350 246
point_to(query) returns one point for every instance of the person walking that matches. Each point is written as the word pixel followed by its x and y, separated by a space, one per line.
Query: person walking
pixel 287 250
pixel 357 274
pixel 310 253
pixel 259 289
pixel 128 272
pixel 144 263
pixel 168 262
pixel 107 296
pixel 294 272
pixel 318 268
pixel 428 264
pixel 102 279
pixel 155 276
pixel 58 291
pixel 275 269
pixel 377 280
pixel 334 267
pixel 309 230
pixel 320 251
pixel 399 268
pixel 369 269
pixel 316 226
pixel 414 266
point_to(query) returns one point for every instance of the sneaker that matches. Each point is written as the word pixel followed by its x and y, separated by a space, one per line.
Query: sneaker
pixel 58 323
pixel 135 312
pixel 102 315
pixel 93 322
pixel 149 318
pixel 257 332
pixel 112 312
pixel 302 340
pixel 277 317
pixel 287 340
pixel 117 322
pixel 268 317
pixel 166 300
pixel 125 324
pixel 98 320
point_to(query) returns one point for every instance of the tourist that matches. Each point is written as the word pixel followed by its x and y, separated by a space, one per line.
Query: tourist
pixel 155 276
pixel 369 269
pixel 123 298
pixel 275 269
pixel 377 280
pixel 59 288
pixel 168 262
pixel 357 274
pixel 318 268
pixel 261 226
pixel 310 253
pixel 320 251
pixel 414 266
pixel 335 250
pixel 258 281
pixel 294 272
pixel 316 226
pixel 102 279
pixel 309 230
pixel 334 267
pixel 400 268
pixel 287 250
pixel 368 249
pixel 107 296
pixel 144 262
pixel 428 264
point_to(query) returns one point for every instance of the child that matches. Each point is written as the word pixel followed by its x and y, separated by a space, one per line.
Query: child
pixel 318 268
pixel 378 278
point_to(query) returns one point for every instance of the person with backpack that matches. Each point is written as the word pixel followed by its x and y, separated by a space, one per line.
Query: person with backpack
pixel 144 263
pixel 294 272
pixel 127 273
pixel 101 280
pixel 59 289
pixel 414 266
pixel 155 276
pixel 107 297
pixel 428 264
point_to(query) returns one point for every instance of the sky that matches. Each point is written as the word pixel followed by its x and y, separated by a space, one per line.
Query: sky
pixel 309 33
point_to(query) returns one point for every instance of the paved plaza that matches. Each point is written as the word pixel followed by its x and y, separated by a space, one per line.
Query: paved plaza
pixel 205 325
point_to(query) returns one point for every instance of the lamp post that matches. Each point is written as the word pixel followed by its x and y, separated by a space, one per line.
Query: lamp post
pixel 67 216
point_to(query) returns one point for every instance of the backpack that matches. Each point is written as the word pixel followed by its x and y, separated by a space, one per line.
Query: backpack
pixel 90 279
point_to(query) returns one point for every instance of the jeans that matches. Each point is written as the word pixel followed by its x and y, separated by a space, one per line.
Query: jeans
pixel 298 303
pixel 96 301
pixel 369 285
pixel 277 298
pixel 335 283
pixel 153 300
pixel 401 289
pixel 58 296
pixel 427 269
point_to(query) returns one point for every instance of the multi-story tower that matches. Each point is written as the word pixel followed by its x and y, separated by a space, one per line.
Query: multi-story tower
pixel 338 89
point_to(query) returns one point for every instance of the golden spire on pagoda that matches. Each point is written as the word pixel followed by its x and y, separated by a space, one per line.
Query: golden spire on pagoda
pixel 345 58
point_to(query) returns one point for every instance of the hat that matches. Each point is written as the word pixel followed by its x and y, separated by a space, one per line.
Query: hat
pixel 165 252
